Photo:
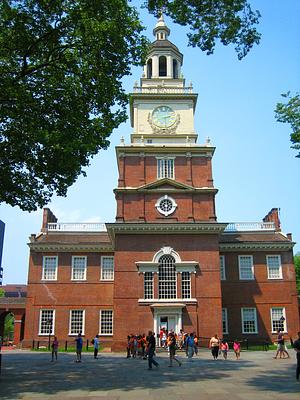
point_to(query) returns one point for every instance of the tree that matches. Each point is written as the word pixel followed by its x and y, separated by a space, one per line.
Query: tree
pixel 290 112
pixel 61 66
pixel 229 21
pixel 297 269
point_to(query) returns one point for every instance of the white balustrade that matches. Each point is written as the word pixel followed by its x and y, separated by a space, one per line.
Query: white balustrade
pixel 250 226
pixel 76 227
pixel 162 90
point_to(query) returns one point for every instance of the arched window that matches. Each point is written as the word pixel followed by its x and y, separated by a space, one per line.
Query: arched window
pixel 175 69
pixel 167 277
pixel 149 68
pixel 162 66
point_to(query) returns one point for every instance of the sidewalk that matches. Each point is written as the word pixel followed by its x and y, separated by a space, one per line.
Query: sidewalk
pixel 30 375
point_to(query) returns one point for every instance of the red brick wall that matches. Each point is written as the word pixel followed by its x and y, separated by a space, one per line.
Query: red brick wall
pixel 204 318
pixel 262 293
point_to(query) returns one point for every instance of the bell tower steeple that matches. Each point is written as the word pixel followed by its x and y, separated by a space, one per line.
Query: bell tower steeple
pixel 162 106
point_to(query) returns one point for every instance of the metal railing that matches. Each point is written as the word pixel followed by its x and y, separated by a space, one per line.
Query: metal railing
pixel 76 227
pixel 250 226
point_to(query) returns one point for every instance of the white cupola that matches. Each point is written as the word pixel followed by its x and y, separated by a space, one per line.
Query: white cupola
pixel 164 59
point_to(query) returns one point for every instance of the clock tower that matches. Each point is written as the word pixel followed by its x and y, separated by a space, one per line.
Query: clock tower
pixel 166 235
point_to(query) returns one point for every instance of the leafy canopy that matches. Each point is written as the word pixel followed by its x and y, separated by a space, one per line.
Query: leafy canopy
pixel 61 66
pixel 290 112
pixel 227 21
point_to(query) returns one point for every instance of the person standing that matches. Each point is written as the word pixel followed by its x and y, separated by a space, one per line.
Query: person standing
pixel 96 344
pixel 172 349
pixel 151 350
pixel 190 343
pixel 237 349
pixel 214 345
pixel 296 347
pixel 224 348
pixel 79 344
pixel 54 348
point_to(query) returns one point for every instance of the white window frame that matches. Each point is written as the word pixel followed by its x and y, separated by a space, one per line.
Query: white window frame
pixel 148 285
pixel 44 270
pixel 279 266
pixel 188 288
pixel 165 284
pixel 102 278
pixel 284 322
pixel 252 268
pixel 222 268
pixel 225 320
pixel 255 320
pixel 112 322
pixel 53 322
pixel 85 268
pixel 83 322
pixel 161 167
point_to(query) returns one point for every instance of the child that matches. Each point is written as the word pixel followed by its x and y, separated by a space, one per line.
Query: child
pixel 224 349
pixel 237 348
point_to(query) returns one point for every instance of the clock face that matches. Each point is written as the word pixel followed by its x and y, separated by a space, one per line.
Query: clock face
pixel 163 116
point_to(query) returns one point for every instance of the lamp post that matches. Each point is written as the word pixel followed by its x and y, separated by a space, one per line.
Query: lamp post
pixel 49 323
pixel 282 319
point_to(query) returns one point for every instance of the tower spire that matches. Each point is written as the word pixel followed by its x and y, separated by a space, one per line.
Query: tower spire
pixel 161 31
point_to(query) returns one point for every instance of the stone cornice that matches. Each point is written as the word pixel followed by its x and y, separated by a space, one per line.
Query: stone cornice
pixel 193 228
pixel 257 246
pixel 163 190
pixel 155 151
pixel 70 247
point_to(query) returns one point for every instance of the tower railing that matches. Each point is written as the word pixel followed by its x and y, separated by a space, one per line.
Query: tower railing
pixel 163 90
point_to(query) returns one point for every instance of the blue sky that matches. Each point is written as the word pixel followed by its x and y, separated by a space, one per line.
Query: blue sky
pixel 254 167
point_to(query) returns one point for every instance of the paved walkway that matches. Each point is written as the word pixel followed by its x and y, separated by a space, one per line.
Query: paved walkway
pixel 31 375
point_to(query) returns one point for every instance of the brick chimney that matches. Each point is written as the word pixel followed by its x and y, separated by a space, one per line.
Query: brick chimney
pixel 48 216
pixel 273 216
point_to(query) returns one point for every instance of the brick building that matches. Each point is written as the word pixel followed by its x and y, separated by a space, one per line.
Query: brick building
pixel 166 261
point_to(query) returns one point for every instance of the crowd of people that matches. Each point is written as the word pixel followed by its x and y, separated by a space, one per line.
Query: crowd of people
pixel 144 346
pixel 138 346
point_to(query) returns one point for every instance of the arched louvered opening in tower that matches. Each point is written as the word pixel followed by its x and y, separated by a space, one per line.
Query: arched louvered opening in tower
pixel 149 68
pixel 175 69
pixel 162 66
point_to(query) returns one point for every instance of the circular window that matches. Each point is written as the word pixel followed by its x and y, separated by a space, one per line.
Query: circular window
pixel 166 205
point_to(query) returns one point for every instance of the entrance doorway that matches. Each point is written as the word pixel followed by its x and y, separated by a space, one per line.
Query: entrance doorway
pixel 167 322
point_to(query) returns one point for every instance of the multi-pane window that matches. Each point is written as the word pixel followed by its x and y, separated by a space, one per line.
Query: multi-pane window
pixel 148 285
pixel 78 268
pixel 186 285
pixel 46 322
pixel 167 278
pixel 76 322
pixel 107 268
pixel 106 322
pixel 165 168
pixel 274 267
pixel 246 269
pixel 49 268
pixel 249 320
pixel 278 320
pixel 222 268
pixel 224 320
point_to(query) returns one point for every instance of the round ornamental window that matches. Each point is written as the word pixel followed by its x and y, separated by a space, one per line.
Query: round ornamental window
pixel 166 205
